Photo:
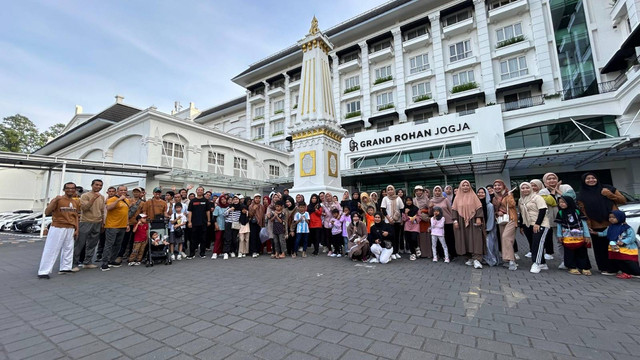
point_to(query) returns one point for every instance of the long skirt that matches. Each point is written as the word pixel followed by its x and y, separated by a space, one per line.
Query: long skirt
pixel 492 257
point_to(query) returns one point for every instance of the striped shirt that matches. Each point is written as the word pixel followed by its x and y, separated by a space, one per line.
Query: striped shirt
pixel 303 225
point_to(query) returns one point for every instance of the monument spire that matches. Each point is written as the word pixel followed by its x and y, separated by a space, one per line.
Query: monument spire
pixel 316 140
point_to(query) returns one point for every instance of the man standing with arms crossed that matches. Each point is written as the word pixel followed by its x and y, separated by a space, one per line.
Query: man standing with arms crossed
pixel 92 205
pixel 115 226
pixel 64 211
pixel 199 217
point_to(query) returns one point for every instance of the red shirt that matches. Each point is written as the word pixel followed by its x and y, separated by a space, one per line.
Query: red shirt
pixel 316 219
pixel 141 233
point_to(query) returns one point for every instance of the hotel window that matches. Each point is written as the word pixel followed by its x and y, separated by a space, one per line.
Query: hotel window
pixel 518 100
pixel 498 3
pixel 172 154
pixel 509 32
pixel 352 130
pixel 353 106
pixel 351 82
pixel 414 33
pixel 274 171
pixel 385 100
pixel 422 117
pixel 239 167
pixel 216 162
pixel 349 57
pixel 466 109
pixel 464 77
pixel 421 90
pixel 278 107
pixel 278 84
pixel 258 112
pixel 383 72
pixel 380 45
pixel 384 124
pixel 457 17
pixel 419 63
pixel 513 68
pixel 278 128
pixel 258 132
pixel 460 50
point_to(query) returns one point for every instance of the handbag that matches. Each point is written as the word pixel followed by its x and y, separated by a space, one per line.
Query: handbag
pixel 503 219
pixel 236 225
pixel 178 232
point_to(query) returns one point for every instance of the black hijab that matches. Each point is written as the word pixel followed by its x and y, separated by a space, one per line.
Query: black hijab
pixel 597 206
pixel 311 208
pixel 569 217
pixel 413 209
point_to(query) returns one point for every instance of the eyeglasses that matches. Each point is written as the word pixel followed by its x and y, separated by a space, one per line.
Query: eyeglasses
pixel 68 188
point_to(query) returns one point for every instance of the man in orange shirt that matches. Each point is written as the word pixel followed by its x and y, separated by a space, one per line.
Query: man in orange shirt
pixel 115 226
pixel 64 212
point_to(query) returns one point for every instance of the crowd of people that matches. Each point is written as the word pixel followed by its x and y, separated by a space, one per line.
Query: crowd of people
pixel 440 224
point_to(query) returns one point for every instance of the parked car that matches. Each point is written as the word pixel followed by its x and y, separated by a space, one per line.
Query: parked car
pixel 7 222
pixel 632 210
pixel 26 225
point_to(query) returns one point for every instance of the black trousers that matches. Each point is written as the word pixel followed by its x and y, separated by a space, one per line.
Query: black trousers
pixel 412 240
pixel 127 243
pixel 315 235
pixel 626 266
pixel 577 258
pixel 291 241
pixel 450 239
pixel 548 243
pixel 537 243
pixel 337 241
pixel 601 251
pixel 230 244
pixel 255 245
pixel 198 238
pixel 397 227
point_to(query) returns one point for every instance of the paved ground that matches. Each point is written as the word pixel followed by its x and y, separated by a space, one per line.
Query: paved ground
pixel 312 308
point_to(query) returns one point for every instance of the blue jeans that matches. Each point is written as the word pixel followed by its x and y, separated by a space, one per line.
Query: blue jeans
pixel 303 237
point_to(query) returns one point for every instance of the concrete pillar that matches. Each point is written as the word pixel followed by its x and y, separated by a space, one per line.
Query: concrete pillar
pixel 484 48
pixel 543 56
pixel 336 87
pixel 248 117
pixel 401 97
pixel 267 114
pixel 287 105
pixel 438 68
pixel 365 84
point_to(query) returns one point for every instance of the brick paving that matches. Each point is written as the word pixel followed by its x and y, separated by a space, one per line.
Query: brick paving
pixel 314 308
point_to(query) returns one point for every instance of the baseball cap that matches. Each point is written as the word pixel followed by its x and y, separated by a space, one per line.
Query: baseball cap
pixel 257 195
pixel 137 189
pixel 418 187
pixel 155 190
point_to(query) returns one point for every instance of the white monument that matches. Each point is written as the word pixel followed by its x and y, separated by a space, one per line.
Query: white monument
pixel 317 139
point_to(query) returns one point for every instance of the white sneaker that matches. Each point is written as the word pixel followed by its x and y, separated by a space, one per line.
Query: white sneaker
pixel 393 256
pixel 173 257
pixel 339 255
pixel 183 254
pixel 333 255
pixel 513 266
pixel 544 267
pixel 435 259
pixel 373 261
pixel 516 256
pixel 446 260
pixel 131 263
pixel 233 254
pixel 535 268
pixel 398 256
pixel 418 252
pixel 528 254
pixel 476 264
pixel 179 257
pixel 412 257
pixel 329 253
pixel 469 262
pixel 214 256
pixel 561 266
pixel 225 256
pixel 548 257
pixel 255 255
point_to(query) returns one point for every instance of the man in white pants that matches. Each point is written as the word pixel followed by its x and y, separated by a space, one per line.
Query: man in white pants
pixel 64 211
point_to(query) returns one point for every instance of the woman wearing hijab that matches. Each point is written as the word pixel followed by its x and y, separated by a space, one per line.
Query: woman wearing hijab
pixel 623 248
pixel 381 237
pixel 448 193
pixel 411 220
pixel 358 246
pixel 492 256
pixel 328 205
pixel 383 193
pixel 535 225
pixel 505 204
pixel 421 200
pixel 538 188
pixel 573 233
pixel 365 202
pixel 468 225
pixel 219 226
pixel 439 200
pixel 353 203
pixel 256 223
pixel 391 208
pixel 375 200
pixel 556 189
pixel 596 201
pixel 316 231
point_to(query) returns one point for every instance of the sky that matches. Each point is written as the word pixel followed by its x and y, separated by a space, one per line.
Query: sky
pixel 55 55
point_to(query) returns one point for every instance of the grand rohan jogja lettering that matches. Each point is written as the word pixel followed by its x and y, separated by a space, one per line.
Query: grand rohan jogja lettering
pixel 436 131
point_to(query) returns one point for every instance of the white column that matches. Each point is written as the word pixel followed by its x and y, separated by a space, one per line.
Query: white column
pixel 484 48
pixel 287 105
pixel 267 113
pixel 540 41
pixel 248 117
pixel 401 96
pixel 336 87
pixel 365 84
pixel 438 69
pixel 633 9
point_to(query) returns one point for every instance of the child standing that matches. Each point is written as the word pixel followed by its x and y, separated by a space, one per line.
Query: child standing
pixel 411 220
pixel 573 235
pixel 368 216
pixel 437 234
pixel 243 233
pixel 623 249
pixel 336 233
pixel 279 225
pixel 301 221
pixel 345 219
pixel 139 240
pixel 177 223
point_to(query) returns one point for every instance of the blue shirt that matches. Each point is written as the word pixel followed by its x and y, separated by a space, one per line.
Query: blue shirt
pixel 303 226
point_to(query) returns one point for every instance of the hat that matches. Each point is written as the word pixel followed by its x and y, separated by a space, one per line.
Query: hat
pixel 156 190
pixel 418 187
pixel 137 189
pixel 143 215
pixel 240 196
pixel 257 195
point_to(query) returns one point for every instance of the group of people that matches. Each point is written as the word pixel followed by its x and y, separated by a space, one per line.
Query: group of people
pixel 440 224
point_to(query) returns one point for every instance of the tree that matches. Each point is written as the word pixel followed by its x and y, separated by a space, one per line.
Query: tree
pixel 19 134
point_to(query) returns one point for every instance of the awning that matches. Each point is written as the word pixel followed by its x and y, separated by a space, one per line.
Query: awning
pixel 420 108
pixel 535 82
pixel 619 60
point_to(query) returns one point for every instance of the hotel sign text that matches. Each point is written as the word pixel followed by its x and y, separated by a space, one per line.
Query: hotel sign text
pixel 412 135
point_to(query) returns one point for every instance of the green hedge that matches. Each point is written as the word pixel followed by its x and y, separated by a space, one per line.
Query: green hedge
pixel 381 80
pixel 464 87
pixel 508 42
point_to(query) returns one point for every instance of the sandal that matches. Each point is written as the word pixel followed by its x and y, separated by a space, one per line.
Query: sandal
pixel 624 276
pixel 273 256
pixel 574 272
pixel 586 272
pixel 282 256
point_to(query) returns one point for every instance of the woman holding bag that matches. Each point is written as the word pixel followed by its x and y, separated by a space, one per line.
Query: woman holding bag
pixel 468 225
pixel 505 207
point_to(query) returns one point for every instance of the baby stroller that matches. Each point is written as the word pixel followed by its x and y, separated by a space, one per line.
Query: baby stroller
pixel 158 253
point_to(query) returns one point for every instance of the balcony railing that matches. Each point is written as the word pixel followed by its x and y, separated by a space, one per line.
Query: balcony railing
pixel 523 103
pixel 575 92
